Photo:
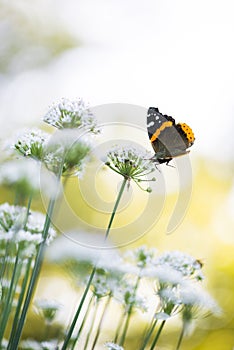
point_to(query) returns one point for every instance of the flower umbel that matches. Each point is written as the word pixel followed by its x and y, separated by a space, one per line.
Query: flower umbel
pixel 113 346
pixel 68 114
pixel 67 150
pixel 31 143
pixel 48 308
pixel 131 163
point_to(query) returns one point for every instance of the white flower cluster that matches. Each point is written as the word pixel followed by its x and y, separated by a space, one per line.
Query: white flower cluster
pixel 26 232
pixel 30 344
pixel 23 172
pixel 64 153
pixel 31 143
pixel 48 308
pixel 69 150
pixel 181 262
pixel 142 256
pixel 113 346
pixel 126 294
pixel 131 163
pixel 68 114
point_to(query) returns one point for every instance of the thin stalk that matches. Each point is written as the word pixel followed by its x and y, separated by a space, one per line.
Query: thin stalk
pixel 35 274
pixel 5 260
pixel 129 314
pixel 92 325
pixel 148 334
pixel 158 335
pixel 83 323
pixel 28 209
pixel 101 322
pixel 8 302
pixel 116 206
pixel 7 250
pixel 180 338
pixel 76 316
pixel 19 303
pixel 119 327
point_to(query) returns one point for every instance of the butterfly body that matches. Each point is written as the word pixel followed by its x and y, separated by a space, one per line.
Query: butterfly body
pixel 168 139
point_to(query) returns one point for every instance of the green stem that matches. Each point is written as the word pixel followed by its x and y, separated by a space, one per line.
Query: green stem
pixel 73 324
pixel 83 323
pixel 129 314
pixel 158 335
pixel 116 206
pixel 34 276
pixel 149 333
pixel 28 210
pixel 92 324
pixel 8 302
pixel 101 322
pixel 5 260
pixel 180 338
pixel 119 327
pixel 20 301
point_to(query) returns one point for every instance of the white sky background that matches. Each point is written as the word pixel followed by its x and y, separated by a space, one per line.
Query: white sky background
pixel 177 55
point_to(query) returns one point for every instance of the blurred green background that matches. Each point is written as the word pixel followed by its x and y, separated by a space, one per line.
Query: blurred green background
pixel 176 55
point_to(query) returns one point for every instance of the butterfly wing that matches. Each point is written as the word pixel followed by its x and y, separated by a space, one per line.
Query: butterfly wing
pixel 168 139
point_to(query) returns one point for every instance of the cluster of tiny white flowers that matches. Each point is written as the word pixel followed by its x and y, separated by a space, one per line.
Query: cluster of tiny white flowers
pixel 194 295
pixel 49 308
pixel 31 143
pixel 18 171
pixel 48 304
pixel 131 163
pixel 126 294
pixel 69 150
pixel 30 344
pixel 142 256
pixel 4 344
pixel 14 228
pixel 187 265
pixel 100 286
pixel 113 346
pixel 71 114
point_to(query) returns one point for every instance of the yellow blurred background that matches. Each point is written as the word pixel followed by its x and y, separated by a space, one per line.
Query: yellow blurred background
pixel 176 55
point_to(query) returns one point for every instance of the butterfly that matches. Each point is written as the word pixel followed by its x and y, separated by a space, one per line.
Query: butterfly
pixel 168 139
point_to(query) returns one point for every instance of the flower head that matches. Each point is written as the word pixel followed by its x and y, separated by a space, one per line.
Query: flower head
pixel 67 150
pixel 127 296
pixel 68 114
pixel 113 346
pixel 48 308
pixel 142 256
pixel 25 232
pixel 31 143
pixel 23 175
pixel 131 163
pixel 184 263
pixel 30 344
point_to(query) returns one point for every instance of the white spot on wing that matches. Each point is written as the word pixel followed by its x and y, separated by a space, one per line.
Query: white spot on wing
pixel 150 124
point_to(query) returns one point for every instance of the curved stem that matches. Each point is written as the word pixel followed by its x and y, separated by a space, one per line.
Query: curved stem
pixel 76 316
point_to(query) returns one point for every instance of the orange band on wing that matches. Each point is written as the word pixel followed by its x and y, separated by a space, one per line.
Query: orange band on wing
pixel 162 127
